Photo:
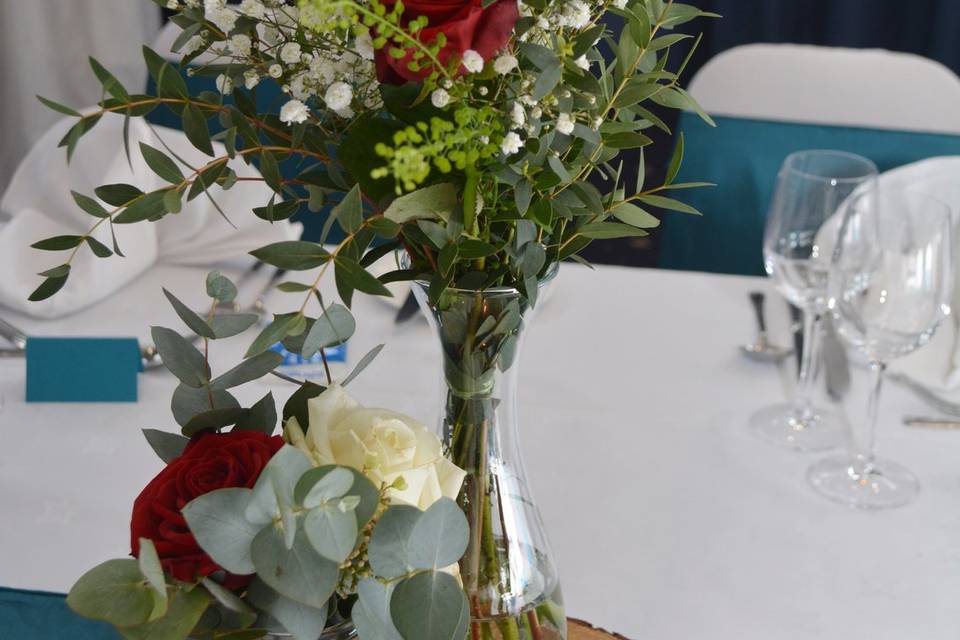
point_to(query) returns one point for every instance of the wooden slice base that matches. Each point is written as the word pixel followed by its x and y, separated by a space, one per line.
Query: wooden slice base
pixel 580 630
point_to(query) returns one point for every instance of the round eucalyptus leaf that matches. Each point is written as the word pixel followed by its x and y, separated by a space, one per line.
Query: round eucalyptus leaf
pixel 299 573
pixel 149 563
pixel 115 592
pixel 332 532
pixel 334 327
pixel 331 486
pixel 273 492
pixel 430 606
pixel 371 613
pixel 389 555
pixel 439 537
pixel 186 609
pixel 362 488
pixel 217 521
pixel 303 622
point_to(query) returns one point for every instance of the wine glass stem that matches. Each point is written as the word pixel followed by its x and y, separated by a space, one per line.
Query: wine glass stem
pixel 864 432
pixel 808 365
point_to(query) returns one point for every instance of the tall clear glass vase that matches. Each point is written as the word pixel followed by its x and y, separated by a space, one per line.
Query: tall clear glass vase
pixel 508 570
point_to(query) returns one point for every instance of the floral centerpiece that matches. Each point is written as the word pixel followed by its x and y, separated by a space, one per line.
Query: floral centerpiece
pixel 477 140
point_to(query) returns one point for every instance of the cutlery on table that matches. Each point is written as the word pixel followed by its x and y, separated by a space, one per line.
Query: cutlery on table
pixel 941 405
pixel 931 423
pixel 15 336
pixel 762 350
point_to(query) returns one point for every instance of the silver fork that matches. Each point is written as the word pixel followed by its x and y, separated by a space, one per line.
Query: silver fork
pixel 935 401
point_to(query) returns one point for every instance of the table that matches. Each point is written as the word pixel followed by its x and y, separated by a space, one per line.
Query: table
pixel 667 518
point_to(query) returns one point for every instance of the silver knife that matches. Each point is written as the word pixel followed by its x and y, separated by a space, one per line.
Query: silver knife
pixel 931 423
pixel 16 336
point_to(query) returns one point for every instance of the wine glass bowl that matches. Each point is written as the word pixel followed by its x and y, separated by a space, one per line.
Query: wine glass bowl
pixel 812 187
pixel 890 288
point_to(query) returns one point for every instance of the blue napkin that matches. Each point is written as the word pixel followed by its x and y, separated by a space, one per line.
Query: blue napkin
pixel 39 615
pixel 82 369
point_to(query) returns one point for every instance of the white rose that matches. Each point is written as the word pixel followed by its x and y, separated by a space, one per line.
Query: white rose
pixel 384 445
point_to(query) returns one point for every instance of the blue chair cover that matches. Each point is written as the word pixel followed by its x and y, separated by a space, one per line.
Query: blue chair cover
pixel 269 98
pixel 742 157
pixel 38 615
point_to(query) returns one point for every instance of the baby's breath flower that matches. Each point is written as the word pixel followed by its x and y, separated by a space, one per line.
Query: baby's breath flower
pixel 253 9
pixel 440 98
pixel 517 115
pixel 251 78
pixel 294 112
pixel 364 45
pixel 240 44
pixel 472 61
pixel 224 84
pixel 511 144
pixel 505 64
pixel 338 96
pixel 565 124
pixel 275 71
pixel 290 53
pixel 583 63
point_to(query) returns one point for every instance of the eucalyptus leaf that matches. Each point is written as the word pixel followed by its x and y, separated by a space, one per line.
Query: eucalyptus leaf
pixel 298 573
pixel 186 609
pixel 331 531
pixel 221 288
pixel 115 591
pixel 390 541
pixel 227 325
pixel 249 370
pixel 434 202
pixel 440 536
pixel 430 606
pixel 168 446
pixel 190 318
pixel 180 357
pixel 298 619
pixel 216 519
pixel 188 402
pixel 334 327
pixel 371 613
pixel 363 364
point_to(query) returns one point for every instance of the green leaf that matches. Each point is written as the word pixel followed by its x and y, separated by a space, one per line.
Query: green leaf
pixel 371 613
pixel 436 202
pixel 249 370
pixel 669 204
pixel 363 364
pixel 635 216
pixel 227 325
pixel 98 248
pixel 89 205
pixel 230 601
pixel 430 606
pixel 172 201
pixel 295 255
pixel 146 207
pixel 49 287
pixel 58 243
pixel 362 488
pixel 389 544
pixel 298 573
pixel 185 611
pixel 196 130
pixel 262 416
pixel 213 420
pixel 334 327
pixel 270 170
pixel 56 106
pixel 161 164
pixel 349 211
pixel 676 98
pixel 626 140
pixel 273 333
pixel 189 402
pixel 197 324
pixel 216 519
pixel 357 153
pixel 547 81
pixel 303 622
pixel 296 405
pixel 675 161
pixel 440 536
pixel 221 288
pixel 168 446
pixel 180 357
pixel 149 563
pixel 359 278
pixel 110 84
pixel 115 591
pixel 56 272
pixel 331 531
pixel 607 230
pixel 117 195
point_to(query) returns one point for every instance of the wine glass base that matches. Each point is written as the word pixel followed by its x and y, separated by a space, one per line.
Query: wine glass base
pixel 780 425
pixel 883 485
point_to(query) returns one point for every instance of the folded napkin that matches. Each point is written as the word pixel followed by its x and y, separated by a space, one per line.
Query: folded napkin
pixel 937 364
pixel 38 204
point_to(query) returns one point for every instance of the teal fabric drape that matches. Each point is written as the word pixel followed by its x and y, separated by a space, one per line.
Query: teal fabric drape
pixel 742 157
pixel 39 615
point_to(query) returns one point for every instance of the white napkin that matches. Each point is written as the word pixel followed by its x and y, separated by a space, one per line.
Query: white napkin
pixel 38 204
pixel 937 364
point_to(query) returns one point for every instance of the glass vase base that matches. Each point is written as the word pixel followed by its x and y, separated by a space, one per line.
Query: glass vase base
pixel 530 625
pixel 881 485
pixel 781 426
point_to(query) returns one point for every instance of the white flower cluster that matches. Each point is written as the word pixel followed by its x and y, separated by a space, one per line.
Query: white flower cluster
pixel 338 76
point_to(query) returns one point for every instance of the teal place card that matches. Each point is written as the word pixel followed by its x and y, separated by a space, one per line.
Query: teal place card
pixel 82 369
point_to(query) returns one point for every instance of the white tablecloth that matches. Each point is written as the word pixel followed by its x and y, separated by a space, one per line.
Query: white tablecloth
pixel 669 521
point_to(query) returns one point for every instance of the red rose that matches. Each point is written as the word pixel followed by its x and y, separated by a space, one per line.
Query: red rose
pixel 212 461
pixel 465 23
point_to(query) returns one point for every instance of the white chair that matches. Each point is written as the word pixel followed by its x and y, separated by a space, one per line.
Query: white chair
pixel 869 88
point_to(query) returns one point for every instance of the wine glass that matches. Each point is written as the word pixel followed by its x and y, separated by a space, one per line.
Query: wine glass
pixel 811 188
pixel 890 287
